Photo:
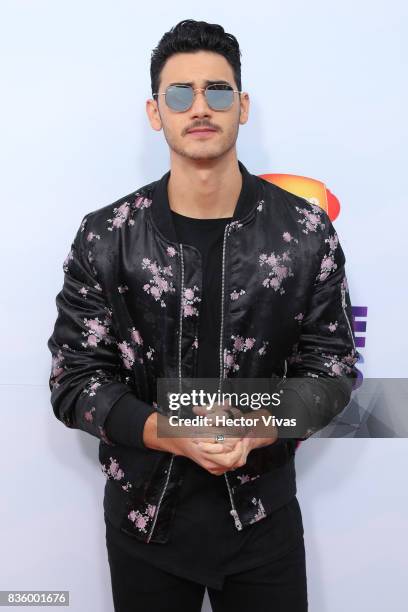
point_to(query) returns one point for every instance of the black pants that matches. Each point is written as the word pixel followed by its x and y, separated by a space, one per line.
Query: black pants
pixel 277 586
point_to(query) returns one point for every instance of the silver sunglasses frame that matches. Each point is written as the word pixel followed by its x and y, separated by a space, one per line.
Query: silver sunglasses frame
pixel 163 93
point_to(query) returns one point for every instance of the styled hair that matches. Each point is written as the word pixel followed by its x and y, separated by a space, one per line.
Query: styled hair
pixel 189 36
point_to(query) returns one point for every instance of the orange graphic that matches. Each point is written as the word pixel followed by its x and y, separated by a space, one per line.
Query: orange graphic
pixel 311 189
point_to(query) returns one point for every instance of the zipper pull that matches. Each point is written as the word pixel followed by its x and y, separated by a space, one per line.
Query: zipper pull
pixel 237 522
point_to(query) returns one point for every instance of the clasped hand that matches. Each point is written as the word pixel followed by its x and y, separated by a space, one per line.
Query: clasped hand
pixel 219 457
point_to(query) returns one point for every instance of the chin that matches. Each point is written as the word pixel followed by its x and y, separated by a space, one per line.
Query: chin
pixel 202 153
pixel 204 157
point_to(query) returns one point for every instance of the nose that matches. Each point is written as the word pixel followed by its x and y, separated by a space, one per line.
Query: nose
pixel 199 108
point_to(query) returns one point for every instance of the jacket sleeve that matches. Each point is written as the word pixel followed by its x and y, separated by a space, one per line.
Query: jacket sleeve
pixel 88 378
pixel 321 369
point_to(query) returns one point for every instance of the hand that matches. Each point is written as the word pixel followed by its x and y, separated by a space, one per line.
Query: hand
pixel 182 444
pixel 216 457
pixel 231 434
pixel 224 454
pixel 243 446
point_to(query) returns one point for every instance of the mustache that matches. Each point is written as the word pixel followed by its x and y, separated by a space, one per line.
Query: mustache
pixel 202 126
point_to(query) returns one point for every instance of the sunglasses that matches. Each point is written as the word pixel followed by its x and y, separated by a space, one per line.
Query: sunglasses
pixel 180 98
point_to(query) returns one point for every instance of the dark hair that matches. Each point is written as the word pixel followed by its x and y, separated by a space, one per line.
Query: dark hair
pixel 189 36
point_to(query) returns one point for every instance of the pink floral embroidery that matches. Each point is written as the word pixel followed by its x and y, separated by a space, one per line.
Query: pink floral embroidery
pixel 113 471
pixel 236 294
pixel 57 367
pixel 350 359
pixel 92 386
pixel 158 284
pixel 149 353
pixel 91 259
pixel 136 336
pixel 124 212
pixel 104 437
pixel 151 510
pixel 88 414
pixel 141 202
pixel 260 512
pixel 333 326
pixel 189 300
pixel 233 226
pixel 83 291
pixel 121 214
pixel 69 257
pixel 127 354
pixel 339 365
pixel 328 264
pixel 278 271
pixel 247 478
pixel 141 519
pixel 295 356
pixel 299 317
pixel 312 219
pixel 263 349
pixel 123 288
pixel 287 236
pixel 171 251
pixel 91 236
pixel 97 331
pixel 240 344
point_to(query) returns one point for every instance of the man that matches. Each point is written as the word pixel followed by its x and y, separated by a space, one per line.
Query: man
pixel 209 272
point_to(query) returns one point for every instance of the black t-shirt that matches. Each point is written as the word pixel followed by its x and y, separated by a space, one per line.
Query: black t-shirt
pixel 204 544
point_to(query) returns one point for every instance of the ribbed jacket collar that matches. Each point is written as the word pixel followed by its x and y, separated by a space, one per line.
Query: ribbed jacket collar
pixel 161 211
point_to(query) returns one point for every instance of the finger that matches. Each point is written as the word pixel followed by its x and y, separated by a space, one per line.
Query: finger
pixel 226 459
pixel 228 441
pixel 200 410
pixel 212 448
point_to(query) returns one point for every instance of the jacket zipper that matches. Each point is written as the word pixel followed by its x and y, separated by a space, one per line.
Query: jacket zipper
pixel 233 510
pixel 285 372
pixel 343 303
pixel 179 375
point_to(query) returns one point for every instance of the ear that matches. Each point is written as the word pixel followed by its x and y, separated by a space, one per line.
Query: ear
pixel 244 107
pixel 153 114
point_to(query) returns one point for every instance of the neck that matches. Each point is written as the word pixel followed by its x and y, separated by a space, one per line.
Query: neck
pixel 204 189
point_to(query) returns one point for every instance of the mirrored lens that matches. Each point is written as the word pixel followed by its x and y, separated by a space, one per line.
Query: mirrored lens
pixel 179 97
pixel 220 96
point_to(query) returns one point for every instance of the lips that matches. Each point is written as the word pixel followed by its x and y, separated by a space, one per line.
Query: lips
pixel 200 131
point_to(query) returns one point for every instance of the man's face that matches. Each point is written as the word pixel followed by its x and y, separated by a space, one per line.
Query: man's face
pixel 196 68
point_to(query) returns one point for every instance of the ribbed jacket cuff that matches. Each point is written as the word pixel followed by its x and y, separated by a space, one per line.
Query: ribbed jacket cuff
pixel 293 406
pixel 126 420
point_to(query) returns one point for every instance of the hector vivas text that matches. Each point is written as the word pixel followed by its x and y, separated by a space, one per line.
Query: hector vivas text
pixel 252 401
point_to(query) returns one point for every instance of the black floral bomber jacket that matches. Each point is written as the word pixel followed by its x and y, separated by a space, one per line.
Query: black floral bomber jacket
pixel 128 314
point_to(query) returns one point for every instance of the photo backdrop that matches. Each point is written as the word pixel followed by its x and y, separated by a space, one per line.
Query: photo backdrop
pixel 328 99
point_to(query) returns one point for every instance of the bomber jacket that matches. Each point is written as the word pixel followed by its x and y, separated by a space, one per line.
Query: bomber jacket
pixel 128 315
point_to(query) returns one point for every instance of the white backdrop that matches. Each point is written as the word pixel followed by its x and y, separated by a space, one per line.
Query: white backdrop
pixel 328 100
